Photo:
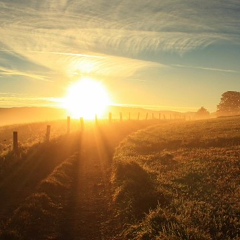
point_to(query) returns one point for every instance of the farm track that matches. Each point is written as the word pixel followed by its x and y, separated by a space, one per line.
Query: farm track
pixel 90 212
pixel 89 207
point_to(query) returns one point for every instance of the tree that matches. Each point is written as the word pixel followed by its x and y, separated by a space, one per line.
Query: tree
pixel 229 104
pixel 202 113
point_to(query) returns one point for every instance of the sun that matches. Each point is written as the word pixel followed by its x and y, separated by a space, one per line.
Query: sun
pixel 86 98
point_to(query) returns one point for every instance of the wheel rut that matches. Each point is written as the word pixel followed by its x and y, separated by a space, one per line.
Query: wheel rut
pixel 90 213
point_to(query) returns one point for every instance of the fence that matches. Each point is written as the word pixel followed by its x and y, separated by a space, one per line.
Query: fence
pixel 110 119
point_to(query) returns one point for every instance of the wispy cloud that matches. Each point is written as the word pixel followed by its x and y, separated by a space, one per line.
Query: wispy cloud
pixel 67 36
pixel 118 28
pixel 9 72
pixel 206 68
pixel 18 101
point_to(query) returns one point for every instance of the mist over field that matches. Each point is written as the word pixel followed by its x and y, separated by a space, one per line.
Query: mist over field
pixel 36 114
pixel 26 115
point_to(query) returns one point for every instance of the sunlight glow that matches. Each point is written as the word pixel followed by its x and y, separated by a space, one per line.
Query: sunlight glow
pixel 86 67
pixel 86 98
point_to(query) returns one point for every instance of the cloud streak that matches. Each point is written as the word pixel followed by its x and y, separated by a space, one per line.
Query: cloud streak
pixel 119 27
pixel 206 68
pixel 110 39
pixel 7 72
pixel 18 101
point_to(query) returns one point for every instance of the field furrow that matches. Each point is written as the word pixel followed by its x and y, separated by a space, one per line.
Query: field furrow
pixel 72 200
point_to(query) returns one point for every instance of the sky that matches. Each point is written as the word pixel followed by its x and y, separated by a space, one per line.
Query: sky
pixel 167 55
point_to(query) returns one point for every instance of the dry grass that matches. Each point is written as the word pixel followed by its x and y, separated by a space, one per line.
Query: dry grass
pixel 194 169
pixel 38 197
pixel 170 181
pixel 30 134
pixel 40 215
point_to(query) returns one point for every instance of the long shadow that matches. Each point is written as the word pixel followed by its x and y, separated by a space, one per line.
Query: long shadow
pixel 87 208
pixel 94 144
pixel 73 212
pixel 66 231
pixel 22 178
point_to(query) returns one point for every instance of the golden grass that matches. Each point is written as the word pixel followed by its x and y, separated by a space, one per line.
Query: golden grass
pixel 194 172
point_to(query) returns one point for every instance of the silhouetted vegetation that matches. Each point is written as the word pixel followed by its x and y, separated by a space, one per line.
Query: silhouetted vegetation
pixel 202 113
pixel 229 104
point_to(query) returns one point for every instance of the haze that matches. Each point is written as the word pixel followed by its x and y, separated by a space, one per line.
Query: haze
pixel 167 55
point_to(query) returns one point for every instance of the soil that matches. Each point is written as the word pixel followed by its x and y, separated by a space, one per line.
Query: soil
pixel 91 213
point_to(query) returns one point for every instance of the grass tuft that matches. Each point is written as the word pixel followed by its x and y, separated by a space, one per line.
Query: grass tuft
pixel 192 169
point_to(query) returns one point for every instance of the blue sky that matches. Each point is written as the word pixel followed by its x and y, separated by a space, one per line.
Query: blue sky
pixel 176 55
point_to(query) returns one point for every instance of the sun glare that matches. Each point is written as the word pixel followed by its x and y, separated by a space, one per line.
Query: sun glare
pixel 86 98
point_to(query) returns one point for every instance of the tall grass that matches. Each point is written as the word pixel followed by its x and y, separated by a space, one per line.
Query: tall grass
pixel 20 176
pixel 40 215
pixel 194 169
pixel 40 205
pixel 30 134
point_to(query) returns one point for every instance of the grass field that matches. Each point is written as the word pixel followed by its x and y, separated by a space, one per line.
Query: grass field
pixel 32 133
pixel 43 189
pixel 181 181
pixel 131 180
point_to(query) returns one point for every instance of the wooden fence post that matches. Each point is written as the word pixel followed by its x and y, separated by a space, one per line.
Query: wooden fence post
pixel 81 123
pixel 110 117
pixel 48 133
pixel 146 116
pixel 129 116
pixel 120 116
pixel 15 143
pixel 68 125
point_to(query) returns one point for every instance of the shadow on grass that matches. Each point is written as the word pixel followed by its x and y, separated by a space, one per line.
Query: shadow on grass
pixel 136 191
pixel 22 175
pixel 40 215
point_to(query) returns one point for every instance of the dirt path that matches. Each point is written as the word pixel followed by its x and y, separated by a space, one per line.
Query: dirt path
pixel 90 212
pixel 87 211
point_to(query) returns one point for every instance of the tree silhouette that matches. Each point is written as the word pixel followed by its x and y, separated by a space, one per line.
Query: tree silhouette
pixel 202 113
pixel 229 104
